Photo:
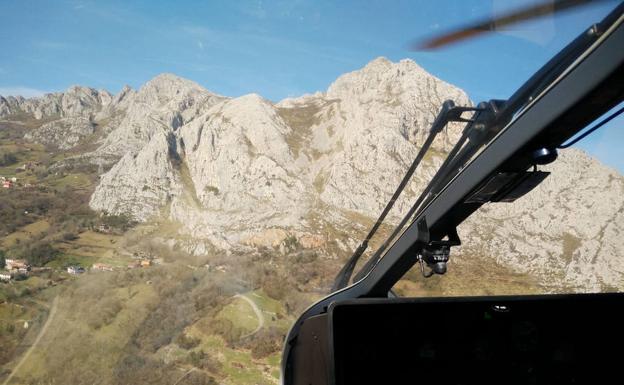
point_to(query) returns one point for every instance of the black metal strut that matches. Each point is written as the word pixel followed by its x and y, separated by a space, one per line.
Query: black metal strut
pixel 448 113
pixel 483 126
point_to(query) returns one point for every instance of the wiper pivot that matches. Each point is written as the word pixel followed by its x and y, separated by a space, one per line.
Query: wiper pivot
pixel 434 253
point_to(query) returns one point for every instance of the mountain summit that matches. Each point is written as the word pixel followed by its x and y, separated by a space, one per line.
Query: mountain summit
pixel 246 163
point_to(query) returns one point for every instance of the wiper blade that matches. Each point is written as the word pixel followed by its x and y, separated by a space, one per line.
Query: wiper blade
pixel 448 113
pixel 485 124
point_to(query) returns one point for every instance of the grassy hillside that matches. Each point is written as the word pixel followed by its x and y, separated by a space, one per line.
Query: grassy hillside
pixel 137 325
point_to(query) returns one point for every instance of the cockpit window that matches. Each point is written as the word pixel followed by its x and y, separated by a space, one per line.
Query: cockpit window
pixel 179 182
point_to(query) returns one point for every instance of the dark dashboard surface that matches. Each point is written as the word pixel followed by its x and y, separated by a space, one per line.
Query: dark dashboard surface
pixel 570 339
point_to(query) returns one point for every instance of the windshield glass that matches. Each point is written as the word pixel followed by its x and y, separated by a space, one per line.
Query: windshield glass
pixel 537 245
pixel 180 181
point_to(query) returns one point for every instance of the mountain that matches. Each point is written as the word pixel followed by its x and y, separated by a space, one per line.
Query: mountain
pixel 246 164
pixel 566 231
pixel 76 101
pixel 240 173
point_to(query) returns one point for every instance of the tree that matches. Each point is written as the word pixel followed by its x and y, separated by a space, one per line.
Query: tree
pixel 266 342
pixel 7 159
pixel 2 260
pixel 186 342
pixel 39 253
pixel 122 222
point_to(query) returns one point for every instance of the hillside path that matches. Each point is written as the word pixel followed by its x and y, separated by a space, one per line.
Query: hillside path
pixel 191 370
pixel 256 310
pixel 35 343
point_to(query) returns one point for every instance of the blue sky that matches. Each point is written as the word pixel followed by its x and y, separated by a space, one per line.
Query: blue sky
pixel 275 48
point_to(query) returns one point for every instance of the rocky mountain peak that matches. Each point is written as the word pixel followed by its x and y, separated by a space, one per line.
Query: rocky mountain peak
pixel 75 101
pixel 83 101
pixel 164 103
pixel 382 79
pixel 120 101
pixel 257 164
pixel 167 87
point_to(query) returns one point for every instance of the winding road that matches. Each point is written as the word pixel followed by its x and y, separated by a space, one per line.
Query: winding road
pixel 256 310
pixel 35 343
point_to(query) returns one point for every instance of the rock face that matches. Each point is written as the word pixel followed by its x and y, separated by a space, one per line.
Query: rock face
pixel 76 101
pixel 366 127
pixel 66 119
pixel 568 231
pixel 246 171
pixel 63 133
pixel 246 163
pixel 157 182
pixel 163 104
pixel 240 166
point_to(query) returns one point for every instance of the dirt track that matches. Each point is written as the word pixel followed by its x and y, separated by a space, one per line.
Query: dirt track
pixel 256 310
pixel 35 343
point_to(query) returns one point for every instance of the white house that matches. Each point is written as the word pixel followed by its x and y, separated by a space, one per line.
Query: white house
pixel 16 264
pixel 75 270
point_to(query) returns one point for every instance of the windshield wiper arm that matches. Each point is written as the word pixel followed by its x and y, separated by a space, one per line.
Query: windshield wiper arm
pixel 448 113
pixel 483 126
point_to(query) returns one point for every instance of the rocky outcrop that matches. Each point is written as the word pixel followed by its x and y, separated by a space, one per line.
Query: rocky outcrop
pixel 241 168
pixel 76 101
pixel 63 133
pixel 247 163
pixel 66 119
pixel 567 231
pixel 368 126
pixel 163 104
pixel 141 194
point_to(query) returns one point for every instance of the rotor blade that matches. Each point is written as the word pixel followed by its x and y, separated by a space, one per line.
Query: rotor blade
pixel 492 24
